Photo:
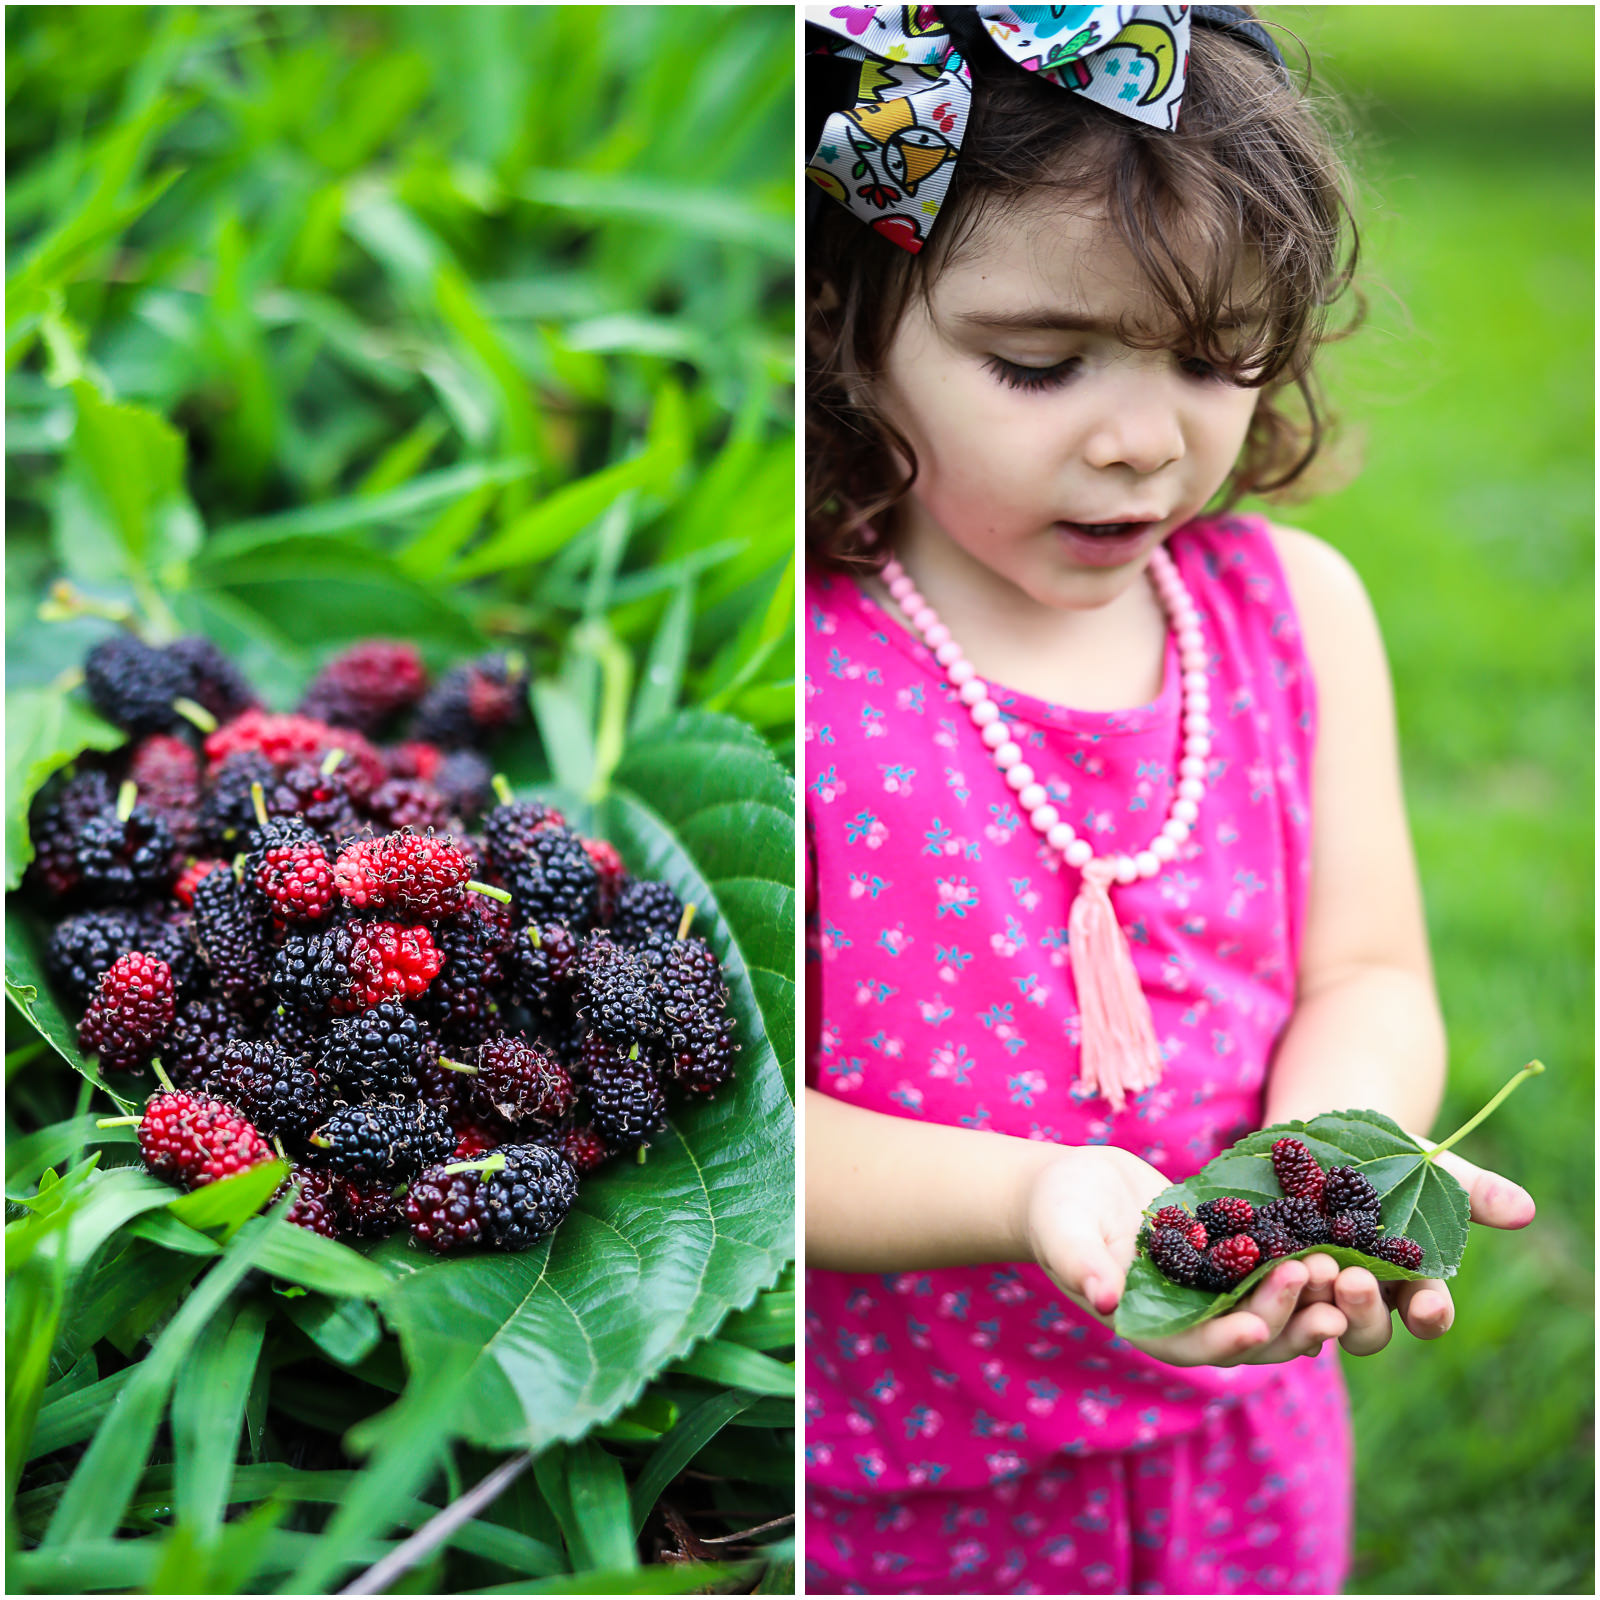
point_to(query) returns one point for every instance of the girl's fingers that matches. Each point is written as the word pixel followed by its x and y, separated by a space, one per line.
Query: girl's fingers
pixel 1426 1308
pixel 1304 1334
pixel 1357 1295
pixel 1274 1299
pixel 1321 1271
pixel 1496 1202
pixel 1088 1271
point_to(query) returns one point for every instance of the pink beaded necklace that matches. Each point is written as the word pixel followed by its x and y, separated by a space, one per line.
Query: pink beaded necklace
pixel 1119 1055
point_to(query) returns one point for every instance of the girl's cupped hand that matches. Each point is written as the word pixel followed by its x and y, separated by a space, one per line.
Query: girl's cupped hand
pixel 1083 1217
pixel 1424 1304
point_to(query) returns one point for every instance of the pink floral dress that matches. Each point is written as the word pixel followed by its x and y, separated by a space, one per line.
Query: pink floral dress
pixel 940 989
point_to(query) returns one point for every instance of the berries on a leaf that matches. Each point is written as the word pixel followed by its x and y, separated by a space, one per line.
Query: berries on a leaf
pixel 1399 1250
pixel 1347 1190
pixel 522 1082
pixel 1355 1230
pixel 445 1210
pixel 1233 1258
pixel 131 1013
pixel 192 1139
pixel 382 1140
pixel 1174 1253
pixel 1296 1169
pixel 1225 1217
pixel 387 961
pixel 527 1198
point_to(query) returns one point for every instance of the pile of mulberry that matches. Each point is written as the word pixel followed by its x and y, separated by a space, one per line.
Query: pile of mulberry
pixel 1226 1238
pixel 442 1005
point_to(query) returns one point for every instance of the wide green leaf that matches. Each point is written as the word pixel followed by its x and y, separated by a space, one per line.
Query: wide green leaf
pixel 1419 1199
pixel 652 1256
pixel 122 508
pixel 28 989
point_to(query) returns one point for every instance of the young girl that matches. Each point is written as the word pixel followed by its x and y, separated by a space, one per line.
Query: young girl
pixel 1067 951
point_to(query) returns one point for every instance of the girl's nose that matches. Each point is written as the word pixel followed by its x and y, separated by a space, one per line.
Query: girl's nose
pixel 1139 428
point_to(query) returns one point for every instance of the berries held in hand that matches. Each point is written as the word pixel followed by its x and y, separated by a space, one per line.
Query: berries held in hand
pixel 1300 1215
pixel 1354 1230
pixel 1234 1258
pixel 1297 1170
pixel 192 1140
pixel 1174 1253
pixel 1399 1250
pixel 1272 1238
pixel 1172 1217
pixel 1225 1216
pixel 1347 1190
pixel 130 1015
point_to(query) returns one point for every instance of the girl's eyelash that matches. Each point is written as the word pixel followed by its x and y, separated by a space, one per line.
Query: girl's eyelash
pixel 1015 376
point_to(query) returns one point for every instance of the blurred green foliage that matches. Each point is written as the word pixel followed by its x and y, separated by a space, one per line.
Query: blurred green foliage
pixel 1468 403
pixel 404 299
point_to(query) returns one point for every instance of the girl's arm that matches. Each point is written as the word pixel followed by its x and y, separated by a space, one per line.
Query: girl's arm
pixel 1366 1030
pixel 889 1194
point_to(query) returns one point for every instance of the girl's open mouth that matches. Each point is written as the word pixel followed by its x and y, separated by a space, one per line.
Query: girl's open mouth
pixel 1103 544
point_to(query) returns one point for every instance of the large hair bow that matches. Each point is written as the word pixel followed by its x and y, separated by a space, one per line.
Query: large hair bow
pixel 890 157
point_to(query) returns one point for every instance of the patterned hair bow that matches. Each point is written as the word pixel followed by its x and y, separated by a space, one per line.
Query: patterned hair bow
pixel 890 157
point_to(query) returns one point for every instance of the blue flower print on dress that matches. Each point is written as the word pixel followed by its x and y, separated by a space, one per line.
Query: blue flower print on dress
pixel 827 786
pixel 897 778
pixel 952 961
pixel 955 897
pixel 955 780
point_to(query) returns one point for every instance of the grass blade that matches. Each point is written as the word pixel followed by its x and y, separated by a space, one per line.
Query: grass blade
pixel 678 1448
pixel 600 1510
pixel 207 1415
pixel 719 1362
pixel 106 1478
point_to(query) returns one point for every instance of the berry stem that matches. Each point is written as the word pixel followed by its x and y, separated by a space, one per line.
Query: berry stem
pixel 117 1122
pixel 330 762
pixel 458 1066
pixel 67 604
pixel 685 920
pixel 502 788
pixel 277 1144
pixel 1532 1070
pixel 502 895
pixel 193 711
pixel 639 1154
pixel 127 799
pixel 484 1164
pixel 161 1075
pixel 533 937
pixel 258 801
pixel 320 1142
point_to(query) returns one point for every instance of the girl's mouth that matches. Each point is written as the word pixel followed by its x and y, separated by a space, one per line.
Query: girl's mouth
pixel 1103 544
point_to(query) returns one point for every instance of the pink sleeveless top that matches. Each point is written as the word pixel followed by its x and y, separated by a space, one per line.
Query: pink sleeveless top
pixel 940 989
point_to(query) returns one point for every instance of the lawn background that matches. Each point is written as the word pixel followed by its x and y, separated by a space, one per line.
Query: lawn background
pixel 1469 403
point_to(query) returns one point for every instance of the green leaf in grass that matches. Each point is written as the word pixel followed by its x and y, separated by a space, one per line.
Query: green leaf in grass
pixel 122 508
pixel 29 991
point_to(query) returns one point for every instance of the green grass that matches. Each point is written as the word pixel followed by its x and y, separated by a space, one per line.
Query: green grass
pixel 1469 404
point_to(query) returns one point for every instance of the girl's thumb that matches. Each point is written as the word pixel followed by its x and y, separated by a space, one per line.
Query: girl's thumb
pixel 1088 1270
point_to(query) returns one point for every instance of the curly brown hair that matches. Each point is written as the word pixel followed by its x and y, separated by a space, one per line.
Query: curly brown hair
pixel 1251 173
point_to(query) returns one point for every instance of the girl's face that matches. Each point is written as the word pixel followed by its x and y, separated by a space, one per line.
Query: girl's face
pixel 1053 457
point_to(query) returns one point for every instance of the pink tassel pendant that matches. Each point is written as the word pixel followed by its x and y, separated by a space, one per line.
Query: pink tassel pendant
pixel 1119 1051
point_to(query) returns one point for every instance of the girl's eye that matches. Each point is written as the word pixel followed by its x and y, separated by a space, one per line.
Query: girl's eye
pixel 1194 367
pixel 1015 376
